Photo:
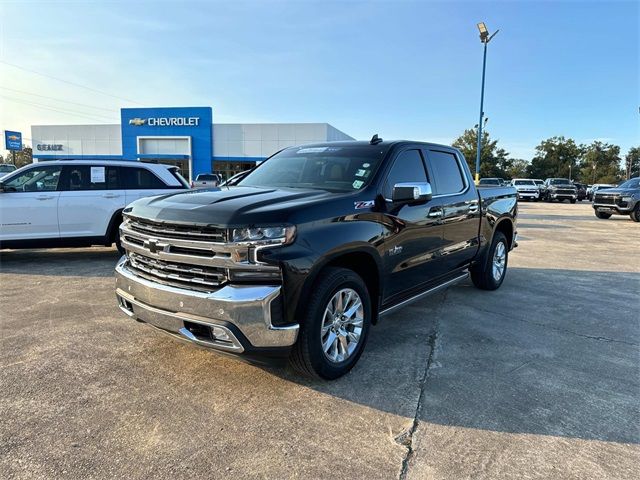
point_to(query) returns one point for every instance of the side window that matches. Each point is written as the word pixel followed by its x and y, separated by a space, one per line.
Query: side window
pixel 114 178
pixel 141 179
pixel 85 177
pixel 446 173
pixel 407 167
pixel 37 179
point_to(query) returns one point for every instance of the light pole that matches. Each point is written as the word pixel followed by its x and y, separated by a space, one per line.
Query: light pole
pixel 485 38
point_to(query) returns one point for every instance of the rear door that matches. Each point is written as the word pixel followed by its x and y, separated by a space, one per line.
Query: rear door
pixel 92 194
pixel 141 182
pixel 459 207
pixel 29 204
pixel 415 233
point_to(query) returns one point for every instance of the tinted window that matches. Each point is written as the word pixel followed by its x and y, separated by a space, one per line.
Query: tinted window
pixel 38 179
pixel 91 177
pixel 524 182
pixel 408 167
pixel 206 177
pixel 141 178
pixel 7 168
pixel 560 181
pixel 445 172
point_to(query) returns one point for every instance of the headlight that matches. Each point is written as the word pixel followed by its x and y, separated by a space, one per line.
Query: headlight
pixel 264 235
pixel 628 199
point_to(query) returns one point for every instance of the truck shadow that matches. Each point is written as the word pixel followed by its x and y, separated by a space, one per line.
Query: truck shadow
pixel 62 262
pixel 518 360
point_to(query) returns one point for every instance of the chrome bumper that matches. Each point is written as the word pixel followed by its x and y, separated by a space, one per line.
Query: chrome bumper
pixel 608 207
pixel 234 318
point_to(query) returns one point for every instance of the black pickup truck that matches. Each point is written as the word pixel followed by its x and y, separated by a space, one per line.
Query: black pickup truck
pixel 311 248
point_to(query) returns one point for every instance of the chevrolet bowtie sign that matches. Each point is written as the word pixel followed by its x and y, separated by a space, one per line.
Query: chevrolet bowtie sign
pixel 166 121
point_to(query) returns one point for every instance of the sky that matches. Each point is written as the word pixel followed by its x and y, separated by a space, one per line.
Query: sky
pixel 402 69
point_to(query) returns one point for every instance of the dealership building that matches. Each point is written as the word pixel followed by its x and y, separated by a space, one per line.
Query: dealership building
pixel 182 136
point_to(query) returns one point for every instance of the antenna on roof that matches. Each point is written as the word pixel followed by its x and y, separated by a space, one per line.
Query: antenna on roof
pixel 375 140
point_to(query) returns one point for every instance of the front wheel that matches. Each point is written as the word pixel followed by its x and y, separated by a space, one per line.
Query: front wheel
pixel 334 329
pixel 602 215
pixel 573 200
pixel 635 214
pixel 490 274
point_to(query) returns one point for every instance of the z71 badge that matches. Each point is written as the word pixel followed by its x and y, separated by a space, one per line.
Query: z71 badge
pixel 365 204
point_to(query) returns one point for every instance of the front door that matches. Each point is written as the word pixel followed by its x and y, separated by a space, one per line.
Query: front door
pixel 415 232
pixel 29 204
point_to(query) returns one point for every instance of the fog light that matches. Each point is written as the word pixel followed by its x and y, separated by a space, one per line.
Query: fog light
pixel 220 334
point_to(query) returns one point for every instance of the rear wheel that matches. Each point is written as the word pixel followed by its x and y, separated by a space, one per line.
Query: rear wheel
pixel 602 215
pixel 334 330
pixel 490 274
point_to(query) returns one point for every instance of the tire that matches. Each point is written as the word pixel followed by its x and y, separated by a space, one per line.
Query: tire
pixel 482 275
pixel 573 200
pixel 602 215
pixel 116 240
pixel 635 214
pixel 308 355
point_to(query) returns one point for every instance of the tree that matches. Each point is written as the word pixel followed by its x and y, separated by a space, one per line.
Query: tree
pixel 556 157
pixel 601 163
pixel 21 157
pixel 632 163
pixel 518 168
pixel 494 161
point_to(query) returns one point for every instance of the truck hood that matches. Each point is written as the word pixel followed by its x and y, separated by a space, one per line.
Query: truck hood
pixel 230 206
pixel 616 191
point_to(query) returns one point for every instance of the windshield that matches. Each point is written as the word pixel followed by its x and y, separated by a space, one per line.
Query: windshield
pixel 633 183
pixel 7 168
pixel 560 181
pixel 524 182
pixel 332 167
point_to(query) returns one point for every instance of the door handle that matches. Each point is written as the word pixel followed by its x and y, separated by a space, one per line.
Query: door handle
pixel 110 195
pixel 435 213
pixel 473 208
pixel 45 197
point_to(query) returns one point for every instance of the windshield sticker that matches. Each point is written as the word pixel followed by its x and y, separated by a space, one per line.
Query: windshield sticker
pixel 366 165
pixel 362 173
pixel 365 204
pixel 358 183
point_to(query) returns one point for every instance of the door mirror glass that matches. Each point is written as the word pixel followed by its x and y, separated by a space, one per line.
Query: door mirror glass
pixel 410 192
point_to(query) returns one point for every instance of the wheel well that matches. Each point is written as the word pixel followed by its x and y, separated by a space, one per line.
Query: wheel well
pixel 364 265
pixel 506 227
pixel 114 223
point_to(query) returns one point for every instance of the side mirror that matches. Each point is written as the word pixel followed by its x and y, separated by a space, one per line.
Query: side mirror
pixel 410 192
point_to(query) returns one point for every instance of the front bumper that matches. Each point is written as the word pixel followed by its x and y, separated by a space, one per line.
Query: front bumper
pixel 613 208
pixel 234 319
pixel 533 195
pixel 563 196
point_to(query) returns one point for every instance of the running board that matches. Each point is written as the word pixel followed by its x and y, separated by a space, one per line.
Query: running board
pixel 424 294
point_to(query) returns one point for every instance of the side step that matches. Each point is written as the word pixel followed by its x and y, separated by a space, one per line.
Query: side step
pixel 424 294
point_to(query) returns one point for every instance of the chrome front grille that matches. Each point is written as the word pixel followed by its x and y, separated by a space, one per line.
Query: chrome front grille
pixel 205 278
pixel 186 232
pixel 187 256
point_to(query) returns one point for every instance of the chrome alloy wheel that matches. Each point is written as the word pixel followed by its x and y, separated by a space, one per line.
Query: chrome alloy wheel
pixel 342 325
pixel 499 261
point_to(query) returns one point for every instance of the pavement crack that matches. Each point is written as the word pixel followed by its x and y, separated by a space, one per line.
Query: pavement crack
pixel 406 438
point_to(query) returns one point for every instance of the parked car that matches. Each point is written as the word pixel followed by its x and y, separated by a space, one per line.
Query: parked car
pixel 621 200
pixel 526 188
pixel 68 203
pixel 559 189
pixel 6 168
pixel 311 248
pixel 595 187
pixel 207 180
pixel 490 182
pixel 581 191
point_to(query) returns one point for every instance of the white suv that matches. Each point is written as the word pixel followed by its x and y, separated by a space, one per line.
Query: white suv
pixel 526 188
pixel 66 203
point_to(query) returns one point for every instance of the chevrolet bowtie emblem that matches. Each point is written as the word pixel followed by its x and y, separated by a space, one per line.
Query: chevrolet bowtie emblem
pixel 138 121
pixel 13 137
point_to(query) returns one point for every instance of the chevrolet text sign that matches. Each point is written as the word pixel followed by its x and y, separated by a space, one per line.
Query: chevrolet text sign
pixel 166 121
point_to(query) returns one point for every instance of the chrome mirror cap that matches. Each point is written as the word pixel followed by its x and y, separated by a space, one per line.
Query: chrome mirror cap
pixel 412 192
